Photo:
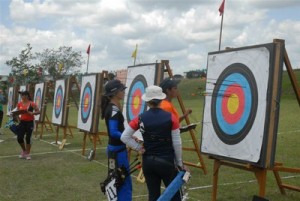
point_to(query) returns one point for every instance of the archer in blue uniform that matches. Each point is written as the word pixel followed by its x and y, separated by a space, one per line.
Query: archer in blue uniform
pixel 116 149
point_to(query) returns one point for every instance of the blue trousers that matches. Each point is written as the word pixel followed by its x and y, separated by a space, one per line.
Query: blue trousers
pixel 125 191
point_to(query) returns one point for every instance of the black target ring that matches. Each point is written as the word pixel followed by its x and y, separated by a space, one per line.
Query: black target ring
pixel 240 76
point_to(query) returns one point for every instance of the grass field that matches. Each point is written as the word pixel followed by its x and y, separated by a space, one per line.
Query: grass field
pixel 55 174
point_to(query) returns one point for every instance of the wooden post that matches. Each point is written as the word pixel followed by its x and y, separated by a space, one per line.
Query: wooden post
pixel 217 165
pixel 192 133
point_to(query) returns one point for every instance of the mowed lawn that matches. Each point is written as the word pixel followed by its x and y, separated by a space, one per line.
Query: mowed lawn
pixel 67 175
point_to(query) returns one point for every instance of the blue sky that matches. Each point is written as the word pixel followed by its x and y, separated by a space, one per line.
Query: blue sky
pixel 183 33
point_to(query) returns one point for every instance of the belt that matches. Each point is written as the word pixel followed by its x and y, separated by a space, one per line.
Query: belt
pixel 158 159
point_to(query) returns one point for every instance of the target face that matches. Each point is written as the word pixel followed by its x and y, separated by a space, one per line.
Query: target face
pixel 58 104
pixel 234 117
pixel 135 104
pixel 38 99
pixel 87 115
pixel 86 102
pixel 138 78
pixel 234 103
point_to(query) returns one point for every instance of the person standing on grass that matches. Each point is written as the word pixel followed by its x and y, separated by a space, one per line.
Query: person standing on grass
pixel 169 87
pixel 162 147
pixel 26 125
pixel 114 120
pixel 2 101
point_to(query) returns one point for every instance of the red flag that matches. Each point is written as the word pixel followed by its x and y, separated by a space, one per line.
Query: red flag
pixel 88 50
pixel 221 8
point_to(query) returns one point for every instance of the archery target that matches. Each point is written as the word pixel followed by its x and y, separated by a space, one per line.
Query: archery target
pixel 135 104
pixel 58 103
pixel 138 78
pixel 38 98
pixel 86 102
pixel 235 109
pixel 87 99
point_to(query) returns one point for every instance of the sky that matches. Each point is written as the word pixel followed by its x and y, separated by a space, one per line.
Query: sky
pixel 181 31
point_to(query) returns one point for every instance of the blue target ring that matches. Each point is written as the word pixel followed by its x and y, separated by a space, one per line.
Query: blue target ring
pixel 58 104
pixel 86 102
pixel 135 104
pixel 234 103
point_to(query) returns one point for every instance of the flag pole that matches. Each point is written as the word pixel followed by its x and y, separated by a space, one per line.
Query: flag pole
pixel 134 61
pixel 88 51
pixel 87 65
pixel 220 37
pixel 221 10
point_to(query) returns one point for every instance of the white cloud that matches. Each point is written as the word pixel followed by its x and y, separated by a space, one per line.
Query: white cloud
pixel 180 31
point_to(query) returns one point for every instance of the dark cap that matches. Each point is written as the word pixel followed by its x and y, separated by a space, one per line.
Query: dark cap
pixel 113 86
pixel 168 83
pixel 24 93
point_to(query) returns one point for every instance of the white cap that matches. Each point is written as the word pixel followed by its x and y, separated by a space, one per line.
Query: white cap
pixel 153 92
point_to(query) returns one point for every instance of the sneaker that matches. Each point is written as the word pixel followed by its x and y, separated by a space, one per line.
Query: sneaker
pixel 28 157
pixel 23 155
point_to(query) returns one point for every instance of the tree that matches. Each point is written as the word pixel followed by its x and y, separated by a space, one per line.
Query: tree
pixel 59 63
pixel 22 69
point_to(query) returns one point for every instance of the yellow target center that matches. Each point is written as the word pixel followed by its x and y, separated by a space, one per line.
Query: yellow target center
pixel 233 103
pixel 86 102
pixel 136 102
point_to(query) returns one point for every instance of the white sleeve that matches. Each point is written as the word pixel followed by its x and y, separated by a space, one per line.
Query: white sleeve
pixel 177 146
pixel 126 137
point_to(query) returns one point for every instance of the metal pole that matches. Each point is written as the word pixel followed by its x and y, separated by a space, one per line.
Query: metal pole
pixel 220 38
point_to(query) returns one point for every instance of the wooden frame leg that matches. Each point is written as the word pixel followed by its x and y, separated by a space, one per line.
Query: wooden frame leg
pixel 261 176
pixel 95 139
pixel 42 130
pixel 279 182
pixel 57 130
pixel 217 165
pixel 84 143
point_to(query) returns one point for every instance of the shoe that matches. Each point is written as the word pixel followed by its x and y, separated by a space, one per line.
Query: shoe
pixel 23 155
pixel 28 157
pixel 9 123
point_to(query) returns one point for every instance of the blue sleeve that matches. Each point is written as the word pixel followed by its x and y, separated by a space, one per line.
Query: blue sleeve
pixel 113 128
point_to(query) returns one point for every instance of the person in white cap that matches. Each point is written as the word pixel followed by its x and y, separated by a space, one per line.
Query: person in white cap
pixel 162 147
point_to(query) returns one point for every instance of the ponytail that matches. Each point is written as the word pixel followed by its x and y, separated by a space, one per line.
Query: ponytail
pixel 104 103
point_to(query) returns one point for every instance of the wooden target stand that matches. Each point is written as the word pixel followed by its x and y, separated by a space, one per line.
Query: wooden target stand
pixel 94 135
pixel 44 122
pixel 276 168
pixel 67 129
pixel 201 164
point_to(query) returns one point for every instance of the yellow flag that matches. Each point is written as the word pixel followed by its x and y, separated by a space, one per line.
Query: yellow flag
pixel 60 67
pixel 134 53
pixel 25 72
